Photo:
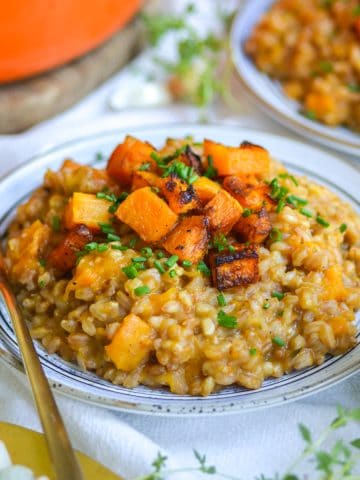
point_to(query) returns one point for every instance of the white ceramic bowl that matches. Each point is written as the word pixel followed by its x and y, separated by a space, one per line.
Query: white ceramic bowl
pixel 70 380
pixel 268 93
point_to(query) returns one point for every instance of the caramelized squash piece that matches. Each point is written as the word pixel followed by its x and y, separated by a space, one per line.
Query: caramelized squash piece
pixel 249 192
pixel 63 257
pixel 26 250
pixel 255 228
pixel 248 159
pixel 234 269
pixel 131 344
pixel 86 209
pixel 223 212
pixel 206 189
pixel 181 197
pixel 147 214
pixel 189 239
pixel 145 179
pixel 128 158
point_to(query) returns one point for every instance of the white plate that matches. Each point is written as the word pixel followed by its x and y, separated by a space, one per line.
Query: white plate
pixel 268 93
pixel 70 380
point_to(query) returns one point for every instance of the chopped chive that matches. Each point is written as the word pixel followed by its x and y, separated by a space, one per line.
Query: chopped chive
pixel 266 305
pixel 155 157
pixel 280 205
pixel 145 166
pixel 203 268
pixel 310 114
pixel 119 247
pixel 99 156
pixel 280 313
pixel 232 248
pixel 102 247
pixel 247 212
pixel 278 341
pixel 227 321
pixel 106 227
pixel 139 266
pixel 221 300
pixel 159 266
pixel 170 262
pixel 172 273
pixel 252 351
pixel 112 237
pixel 139 259
pixel 353 87
pixel 42 283
pixel 56 223
pixel 211 171
pixel 326 66
pixel 296 201
pixel 276 235
pixel 343 227
pixel 186 263
pixel 42 262
pixel 322 222
pixel 155 189
pixel 91 246
pixel 130 271
pixel 147 252
pixel 278 295
pixel 291 177
pixel 306 212
pixel 132 242
pixel 160 254
pixel 141 291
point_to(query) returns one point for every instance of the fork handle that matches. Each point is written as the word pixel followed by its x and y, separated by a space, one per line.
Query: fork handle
pixel 63 458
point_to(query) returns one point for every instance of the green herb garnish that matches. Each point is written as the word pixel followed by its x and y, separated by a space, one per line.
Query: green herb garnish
pixel 141 291
pixel 144 167
pixel 221 300
pixel 227 321
pixel 56 223
pixel 170 262
pixel 42 262
pixel 276 235
pixel 211 171
pixel 322 222
pixel 278 341
pixel 247 212
pixel 203 268
pixel 252 351
pixel 130 271
pixel 343 227
pixel 186 263
pixel 306 212
pixel 159 266
pixel 172 273
pixel 278 295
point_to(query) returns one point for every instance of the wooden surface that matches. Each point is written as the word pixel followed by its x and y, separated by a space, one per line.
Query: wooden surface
pixel 31 101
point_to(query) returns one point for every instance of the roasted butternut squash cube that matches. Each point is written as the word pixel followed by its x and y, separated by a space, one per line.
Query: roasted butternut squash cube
pixel 86 209
pixel 249 192
pixel 189 239
pixel 254 228
pixel 128 158
pixel 234 269
pixel 334 288
pixel 131 343
pixel 206 189
pixel 145 179
pixel 147 214
pixel 181 197
pixel 247 159
pixel 223 212
pixel 63 257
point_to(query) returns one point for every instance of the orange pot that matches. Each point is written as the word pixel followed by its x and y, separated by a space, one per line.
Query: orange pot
pixel 36 35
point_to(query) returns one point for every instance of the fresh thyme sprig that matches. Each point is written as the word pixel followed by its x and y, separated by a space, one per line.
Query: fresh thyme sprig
pixel 195 74
pixel 336 463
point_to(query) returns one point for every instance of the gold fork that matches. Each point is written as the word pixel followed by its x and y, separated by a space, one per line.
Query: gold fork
pixel 62 455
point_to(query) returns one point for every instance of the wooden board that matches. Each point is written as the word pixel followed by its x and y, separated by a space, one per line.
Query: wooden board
pixel 25 103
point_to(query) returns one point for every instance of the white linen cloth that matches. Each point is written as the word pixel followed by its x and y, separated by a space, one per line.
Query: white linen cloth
pixel 244 445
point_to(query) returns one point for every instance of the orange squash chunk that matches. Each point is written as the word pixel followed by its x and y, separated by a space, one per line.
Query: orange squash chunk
pixel 63 257
pixel 248 159
pixel 86 209
pixel 206 189
pixel 145 179
pixel 127 158
pixel 181 197
pixel 233 269
pixel 147 214
pixel 255 228
pixel 334 288
pixel 131 344
pixel 249 192
pixel 223 212
pixel 189 239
